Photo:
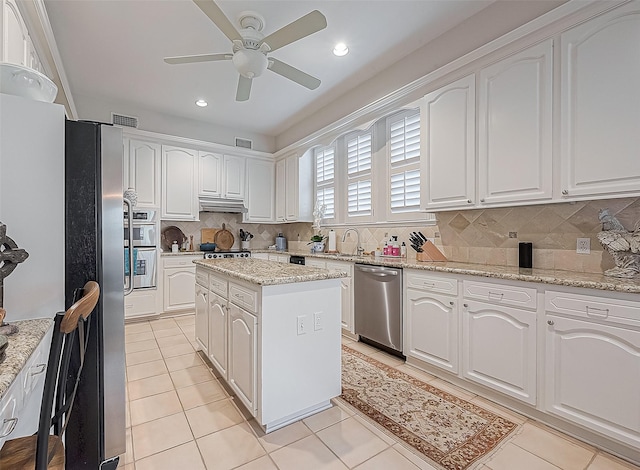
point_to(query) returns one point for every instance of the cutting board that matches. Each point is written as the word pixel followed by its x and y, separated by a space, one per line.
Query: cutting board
pixel 208 235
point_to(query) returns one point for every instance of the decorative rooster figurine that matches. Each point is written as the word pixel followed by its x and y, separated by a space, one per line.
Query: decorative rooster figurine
pixel 623 245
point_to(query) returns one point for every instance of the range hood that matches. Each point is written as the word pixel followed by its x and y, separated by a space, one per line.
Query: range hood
pixel 216 204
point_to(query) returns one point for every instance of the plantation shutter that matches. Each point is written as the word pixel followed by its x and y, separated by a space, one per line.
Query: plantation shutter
pixel 404 161
pixel 325 180
pixel 359 175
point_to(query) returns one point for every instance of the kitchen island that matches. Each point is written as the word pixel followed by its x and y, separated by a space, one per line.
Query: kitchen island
pixel 272 331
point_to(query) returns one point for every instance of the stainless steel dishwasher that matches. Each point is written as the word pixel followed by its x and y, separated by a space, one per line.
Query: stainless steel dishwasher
pixel 378 305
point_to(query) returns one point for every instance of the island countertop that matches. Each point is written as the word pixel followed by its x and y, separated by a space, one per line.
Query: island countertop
pixel 267 273
pixel 21 346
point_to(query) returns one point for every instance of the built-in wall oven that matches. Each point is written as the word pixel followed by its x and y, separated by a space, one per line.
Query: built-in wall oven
pixel 144 235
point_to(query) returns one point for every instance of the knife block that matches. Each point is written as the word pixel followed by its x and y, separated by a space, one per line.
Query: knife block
pixel 430 252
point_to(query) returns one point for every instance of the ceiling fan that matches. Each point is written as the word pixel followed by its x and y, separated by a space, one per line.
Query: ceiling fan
pixel 250 46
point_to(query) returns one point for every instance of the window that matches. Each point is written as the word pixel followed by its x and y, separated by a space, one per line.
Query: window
pixel 403 142
pixel 325 180
pixel 359 175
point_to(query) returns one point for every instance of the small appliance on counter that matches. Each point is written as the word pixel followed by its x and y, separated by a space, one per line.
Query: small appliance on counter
pixel 281 242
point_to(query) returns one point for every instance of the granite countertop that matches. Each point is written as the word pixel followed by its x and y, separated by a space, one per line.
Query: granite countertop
pixel 21 346
pixel 267 273
pixel 544 276
pixel 182 253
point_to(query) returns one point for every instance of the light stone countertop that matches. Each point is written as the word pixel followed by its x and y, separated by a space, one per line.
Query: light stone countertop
pixel 183 253
pixel 544 276
pixel 21 346
pixel 267 273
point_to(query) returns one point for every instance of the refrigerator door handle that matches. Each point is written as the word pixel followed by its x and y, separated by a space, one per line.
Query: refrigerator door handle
pixel 129 289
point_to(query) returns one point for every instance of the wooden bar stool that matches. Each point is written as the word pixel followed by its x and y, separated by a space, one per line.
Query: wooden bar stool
pixel 45 449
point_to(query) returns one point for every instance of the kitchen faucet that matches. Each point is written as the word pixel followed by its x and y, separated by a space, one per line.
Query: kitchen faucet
pixel 359 249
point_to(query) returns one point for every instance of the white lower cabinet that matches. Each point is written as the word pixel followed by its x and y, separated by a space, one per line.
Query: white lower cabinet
pixel 140 303
pixel 242 355
pixel 431 329
pixel 218 333
pixel 202 318
pixel 178 282
pixel 592 364
pixel 346 312
pixel 499 348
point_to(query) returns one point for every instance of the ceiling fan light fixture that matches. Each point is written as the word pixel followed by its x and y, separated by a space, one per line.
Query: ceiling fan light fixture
pixel 250 63
pixel 202 103
pixel 340 49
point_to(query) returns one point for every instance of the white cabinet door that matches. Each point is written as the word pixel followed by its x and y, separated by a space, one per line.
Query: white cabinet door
pixel 243 355
pixel 202 317
pixel 592 375
pixel 281 190
pixel 15 36
pixel 346 303
pixel 179 193
pixel 260 191
pixel 144 172
pixel 448 146
pixel 291 195
pixel 515 126
pixel 140 303
pixel 499 349
pixel 600 72
pixel 210 174
pixel 218 333
pixel 234 176
pixel 179 289
pixel 431 329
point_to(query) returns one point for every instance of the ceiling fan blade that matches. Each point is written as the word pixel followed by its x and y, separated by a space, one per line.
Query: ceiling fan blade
pixel 215 14
pixel 189 59
pixel 300 28
pixel 293 73
pixel 244 88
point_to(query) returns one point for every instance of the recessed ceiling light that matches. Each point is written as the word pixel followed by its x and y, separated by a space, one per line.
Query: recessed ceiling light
pixel 201 103
pixel 340 49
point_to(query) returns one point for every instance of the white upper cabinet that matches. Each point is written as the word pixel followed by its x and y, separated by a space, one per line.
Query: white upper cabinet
pixel 210 174
pixel 221 175
pixel 260 191
pixel 448 145
pixel 15 37
pixel 294 189
pixel 515 127
pixel 600 70
pixel 179 176
pixel 142 172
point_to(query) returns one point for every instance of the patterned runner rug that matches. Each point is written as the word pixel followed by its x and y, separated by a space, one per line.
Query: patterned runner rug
pixel 451 432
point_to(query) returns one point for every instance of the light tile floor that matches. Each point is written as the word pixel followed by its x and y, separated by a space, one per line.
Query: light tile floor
pixel 179 416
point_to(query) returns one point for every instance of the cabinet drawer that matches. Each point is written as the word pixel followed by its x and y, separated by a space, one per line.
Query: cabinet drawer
pixel 340 266
pixel 218 285
pixel 522 297
pixel 315 263
pixel 432 283
pixel 202 277
pixel 587 306
pixel 9 408
pixel 243 297
pixel 179 261
pixel 140 303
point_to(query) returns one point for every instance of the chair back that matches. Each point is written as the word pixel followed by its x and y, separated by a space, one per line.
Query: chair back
pixel 59 386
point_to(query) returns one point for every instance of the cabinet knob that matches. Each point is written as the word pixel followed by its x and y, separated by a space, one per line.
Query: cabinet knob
pixel 565 192
pixel 468 201
pixel 451 303
pixel 482 200
pixel 465 305
pixel 550 322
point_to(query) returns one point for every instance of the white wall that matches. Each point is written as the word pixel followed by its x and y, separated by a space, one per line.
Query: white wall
pixel 466 37
pixel 32 204
pixel 94 109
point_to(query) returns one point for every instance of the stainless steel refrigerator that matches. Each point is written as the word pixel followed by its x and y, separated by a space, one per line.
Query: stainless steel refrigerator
pixel 94 232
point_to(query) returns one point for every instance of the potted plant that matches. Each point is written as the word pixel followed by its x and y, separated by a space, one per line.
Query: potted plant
pixel 317 241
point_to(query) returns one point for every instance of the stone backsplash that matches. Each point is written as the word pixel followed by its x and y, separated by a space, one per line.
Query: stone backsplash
pixel 475 236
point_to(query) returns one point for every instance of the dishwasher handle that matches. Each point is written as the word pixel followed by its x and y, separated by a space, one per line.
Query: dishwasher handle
pixel 378 271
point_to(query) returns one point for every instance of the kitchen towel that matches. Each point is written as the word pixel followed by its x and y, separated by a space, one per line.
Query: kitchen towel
pixel 126 260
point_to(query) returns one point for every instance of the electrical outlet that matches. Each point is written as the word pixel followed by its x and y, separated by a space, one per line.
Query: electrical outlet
pixel 302 324
pixel 317 321
pixel 583 246
pixel 513 234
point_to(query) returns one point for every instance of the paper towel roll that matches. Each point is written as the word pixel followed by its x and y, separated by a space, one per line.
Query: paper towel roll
pixel 332 240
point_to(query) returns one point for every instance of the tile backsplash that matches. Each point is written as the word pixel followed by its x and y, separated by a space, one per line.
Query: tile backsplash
pixel 474 236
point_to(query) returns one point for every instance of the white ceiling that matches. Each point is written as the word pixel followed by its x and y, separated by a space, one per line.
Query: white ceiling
pixel 113 50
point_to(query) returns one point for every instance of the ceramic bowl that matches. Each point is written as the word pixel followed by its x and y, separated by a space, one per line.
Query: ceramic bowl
pixel 28 83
